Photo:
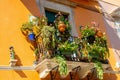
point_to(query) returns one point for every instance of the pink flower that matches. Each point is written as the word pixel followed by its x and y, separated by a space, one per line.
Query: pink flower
pixel 94 24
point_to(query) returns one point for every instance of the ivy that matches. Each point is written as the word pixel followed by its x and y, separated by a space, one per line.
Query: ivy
pixel 98 66
pixel 62 65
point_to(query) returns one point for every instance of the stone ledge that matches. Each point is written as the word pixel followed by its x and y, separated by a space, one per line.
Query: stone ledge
pixel 16 67
pixel 47 65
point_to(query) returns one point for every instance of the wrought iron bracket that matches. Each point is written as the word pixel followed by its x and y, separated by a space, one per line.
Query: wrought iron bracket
pixel 53 74
pixel 74 72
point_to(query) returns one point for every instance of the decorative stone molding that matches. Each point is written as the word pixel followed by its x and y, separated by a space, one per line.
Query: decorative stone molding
pixel 19 68
pixel 47 65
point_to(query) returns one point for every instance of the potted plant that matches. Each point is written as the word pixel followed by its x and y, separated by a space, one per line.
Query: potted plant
pixel 94 51
pixel 54 42
pixel 27 30
pixel 88 34
pixel 31 36
pixel 31 29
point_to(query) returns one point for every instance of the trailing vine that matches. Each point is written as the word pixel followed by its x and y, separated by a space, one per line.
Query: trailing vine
pixel 99 68
pixel 62 65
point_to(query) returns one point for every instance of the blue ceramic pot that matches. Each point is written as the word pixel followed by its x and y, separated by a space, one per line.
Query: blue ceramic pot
pixel 31 36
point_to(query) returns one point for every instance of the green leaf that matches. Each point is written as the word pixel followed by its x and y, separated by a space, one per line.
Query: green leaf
pixel 62 65
pixel 98 66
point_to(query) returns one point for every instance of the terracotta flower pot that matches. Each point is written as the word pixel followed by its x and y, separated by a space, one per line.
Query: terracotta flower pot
pixel 99 33
pixel 61 26
pixel 62 29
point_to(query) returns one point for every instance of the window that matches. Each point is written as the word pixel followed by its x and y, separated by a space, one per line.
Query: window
pixel 50 14
pixel 53 8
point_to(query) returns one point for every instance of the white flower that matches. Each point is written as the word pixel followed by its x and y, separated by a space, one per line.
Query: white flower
pixel 33 19
pixel 117 64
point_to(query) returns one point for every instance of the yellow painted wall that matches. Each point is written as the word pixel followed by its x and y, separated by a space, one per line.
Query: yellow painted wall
pixel 12 14
pixel 18 75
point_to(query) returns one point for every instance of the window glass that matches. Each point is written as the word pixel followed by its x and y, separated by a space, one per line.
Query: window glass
pixel 51 16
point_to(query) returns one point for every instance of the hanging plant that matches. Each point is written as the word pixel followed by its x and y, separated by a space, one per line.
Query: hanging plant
pixel 26 27
pixel 47 34
pixel 63 28
pixel 99 69
pixel 62 65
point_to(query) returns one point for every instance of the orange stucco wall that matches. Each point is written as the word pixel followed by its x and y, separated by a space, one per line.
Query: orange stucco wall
pixel 12 14
pixel 84 17
pixel 18 75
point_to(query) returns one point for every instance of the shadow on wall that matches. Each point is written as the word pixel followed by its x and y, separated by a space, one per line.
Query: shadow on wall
pixel 18 61
pixel 114 42
pixel 112 33
pixel 114 38
pixel 21 73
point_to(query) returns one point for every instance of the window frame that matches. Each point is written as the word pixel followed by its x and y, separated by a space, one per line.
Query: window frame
pixel 45 4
